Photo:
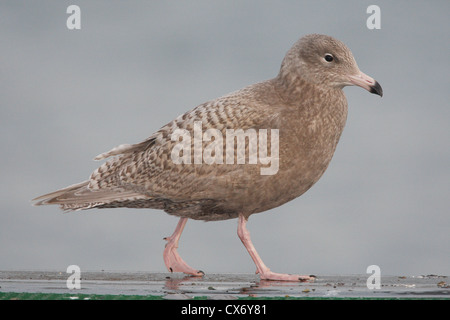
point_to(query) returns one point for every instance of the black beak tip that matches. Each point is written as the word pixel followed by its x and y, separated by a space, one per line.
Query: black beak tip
pixel 376 89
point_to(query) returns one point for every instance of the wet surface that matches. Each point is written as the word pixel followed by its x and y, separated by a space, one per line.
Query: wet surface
pixel 223 286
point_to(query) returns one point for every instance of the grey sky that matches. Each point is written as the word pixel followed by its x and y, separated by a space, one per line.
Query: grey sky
pixel 67 96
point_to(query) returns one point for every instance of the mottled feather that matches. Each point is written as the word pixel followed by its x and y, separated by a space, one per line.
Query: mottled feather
pixel 304 102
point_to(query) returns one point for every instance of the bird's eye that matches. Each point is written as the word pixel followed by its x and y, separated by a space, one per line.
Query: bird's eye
pixel 328 57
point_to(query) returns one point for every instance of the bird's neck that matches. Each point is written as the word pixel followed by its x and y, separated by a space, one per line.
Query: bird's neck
pixel 292 88
pixel 312 106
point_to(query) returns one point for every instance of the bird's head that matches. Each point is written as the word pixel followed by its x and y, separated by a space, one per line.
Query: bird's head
pixel 323 60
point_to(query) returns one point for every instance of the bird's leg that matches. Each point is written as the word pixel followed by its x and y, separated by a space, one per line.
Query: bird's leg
pixel 261 268
pixel 172 259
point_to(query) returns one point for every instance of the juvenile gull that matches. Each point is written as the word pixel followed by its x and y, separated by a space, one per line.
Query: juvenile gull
pixel 304 104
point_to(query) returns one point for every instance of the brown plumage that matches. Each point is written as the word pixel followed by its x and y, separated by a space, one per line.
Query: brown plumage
pixel 304 102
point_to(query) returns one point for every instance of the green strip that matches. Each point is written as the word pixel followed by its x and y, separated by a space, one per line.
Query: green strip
pixel 68 296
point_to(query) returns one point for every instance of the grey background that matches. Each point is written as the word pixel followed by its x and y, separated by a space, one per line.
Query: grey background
pixel 66 96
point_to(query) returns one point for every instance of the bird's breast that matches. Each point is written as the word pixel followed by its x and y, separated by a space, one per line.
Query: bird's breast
pixel 307 141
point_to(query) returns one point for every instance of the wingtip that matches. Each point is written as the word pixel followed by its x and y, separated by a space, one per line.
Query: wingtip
pixel 99 157
pixel 114 151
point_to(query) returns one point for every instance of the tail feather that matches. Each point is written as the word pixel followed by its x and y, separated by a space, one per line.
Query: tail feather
pixel 80 197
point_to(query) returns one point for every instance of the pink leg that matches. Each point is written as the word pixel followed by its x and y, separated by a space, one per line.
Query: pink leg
pixel 261 268
pixel 172 259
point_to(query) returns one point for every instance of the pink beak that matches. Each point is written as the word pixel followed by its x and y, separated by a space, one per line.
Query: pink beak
pixel 364 81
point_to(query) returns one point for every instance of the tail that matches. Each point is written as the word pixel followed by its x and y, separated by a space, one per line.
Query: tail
pixel 80 197
pixel 66 197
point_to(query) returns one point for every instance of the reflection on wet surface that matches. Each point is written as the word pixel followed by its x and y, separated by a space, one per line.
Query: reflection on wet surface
pixel 225 286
